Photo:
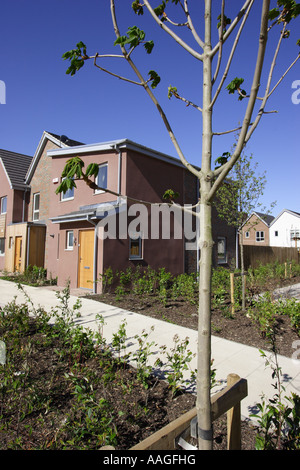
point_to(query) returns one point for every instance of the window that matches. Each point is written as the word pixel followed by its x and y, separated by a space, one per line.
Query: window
pixel 2 246
pixel 36 207
pixel 295 234
pixel 222 255
pixel 260 236
pixel 101 178
pixel 135 248
pixel 69 194
pixel 276 233
pixel 247 234
pixel 69 240
pixel 4 205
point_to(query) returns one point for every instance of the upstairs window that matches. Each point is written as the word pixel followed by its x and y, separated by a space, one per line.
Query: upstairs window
pixel 3 207
pixel 247 234
pixel 260 236
pixel 2 246
pixel 295 234
pixel 101 178
pixel 69 194
pixel 36 207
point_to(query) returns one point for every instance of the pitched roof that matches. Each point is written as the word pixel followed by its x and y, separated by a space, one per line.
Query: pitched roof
pixel 267 218
pixel 297 214
pixel 15 166
pixel 62 141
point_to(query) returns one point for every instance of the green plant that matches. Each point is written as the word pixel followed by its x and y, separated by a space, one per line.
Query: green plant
pixel 178 359
pixel 141 357
pixel 279 422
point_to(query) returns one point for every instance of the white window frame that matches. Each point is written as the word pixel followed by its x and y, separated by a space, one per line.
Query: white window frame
pixel 100 191
pixel 140 247
pixel 4 198
pixel 36 212
pixel 222 260
pixel 260 236
pixel 69 243
pixel 247 234
pixel 294 233
pixel 64 196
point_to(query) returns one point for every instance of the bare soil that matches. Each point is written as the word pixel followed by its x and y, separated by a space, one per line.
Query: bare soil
pixel 136 412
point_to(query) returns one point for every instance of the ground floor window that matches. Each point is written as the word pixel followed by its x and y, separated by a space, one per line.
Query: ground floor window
pixel 135 248
pixel 222 255
pixel 69 240
pixel 2 246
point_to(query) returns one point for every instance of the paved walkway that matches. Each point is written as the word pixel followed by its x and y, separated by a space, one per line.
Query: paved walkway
pixel 229 357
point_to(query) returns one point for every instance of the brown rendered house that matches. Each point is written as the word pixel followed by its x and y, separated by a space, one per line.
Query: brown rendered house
pixel 83 232
pixel 255 230
pixel 14 194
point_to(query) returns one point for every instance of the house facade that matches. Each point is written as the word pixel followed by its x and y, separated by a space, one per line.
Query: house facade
pixel 255 230
pixel 96 229
pixel 285 229
pixel 14 195
pixel 77 235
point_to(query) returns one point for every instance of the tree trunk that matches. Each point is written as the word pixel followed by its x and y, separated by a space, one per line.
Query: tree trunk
pixel 243 272
pixel 203 403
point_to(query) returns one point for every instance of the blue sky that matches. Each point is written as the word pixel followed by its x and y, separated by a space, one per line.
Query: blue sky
pixel 93 107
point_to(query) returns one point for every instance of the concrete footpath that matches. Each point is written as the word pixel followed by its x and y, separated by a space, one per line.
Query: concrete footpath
pixel 228 357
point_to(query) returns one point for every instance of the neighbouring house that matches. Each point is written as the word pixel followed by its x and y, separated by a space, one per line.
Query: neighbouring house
pixel 285 229
pixel 255 230
pixel 93 230
pixel 14 195
pixel 26 226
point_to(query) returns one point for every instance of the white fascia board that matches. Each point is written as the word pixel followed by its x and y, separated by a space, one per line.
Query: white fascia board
pixel 115 145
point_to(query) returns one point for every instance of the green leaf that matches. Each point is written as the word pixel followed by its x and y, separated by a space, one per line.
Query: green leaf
pixel 77 57
pixel 154 77
pixel 149 46
pixel 172 90
pixel 137 8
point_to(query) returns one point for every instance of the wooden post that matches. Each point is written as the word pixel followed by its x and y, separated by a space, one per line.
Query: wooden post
pixel 233 419
pixel 232 292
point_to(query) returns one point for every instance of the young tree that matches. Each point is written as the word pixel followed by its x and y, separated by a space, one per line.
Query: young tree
pixel 239 197
pixel 211 56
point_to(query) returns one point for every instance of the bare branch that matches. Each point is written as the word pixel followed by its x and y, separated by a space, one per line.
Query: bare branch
pixel 115 74
pixel 233 49
pixel 224 170
pixel 172 34
pixel 144 83
pixel 191 26
pixel 233 24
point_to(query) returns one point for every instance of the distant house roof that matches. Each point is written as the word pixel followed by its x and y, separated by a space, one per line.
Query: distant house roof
pixel 296 214
pixel 266 218
pixel 59 140
pixel 15 166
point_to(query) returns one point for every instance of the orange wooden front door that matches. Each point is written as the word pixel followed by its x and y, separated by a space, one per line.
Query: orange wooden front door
pixel 86 259
pixel 18 253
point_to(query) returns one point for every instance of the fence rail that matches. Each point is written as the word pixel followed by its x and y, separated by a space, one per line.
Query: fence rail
pixel 256 255
pixel 226 401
